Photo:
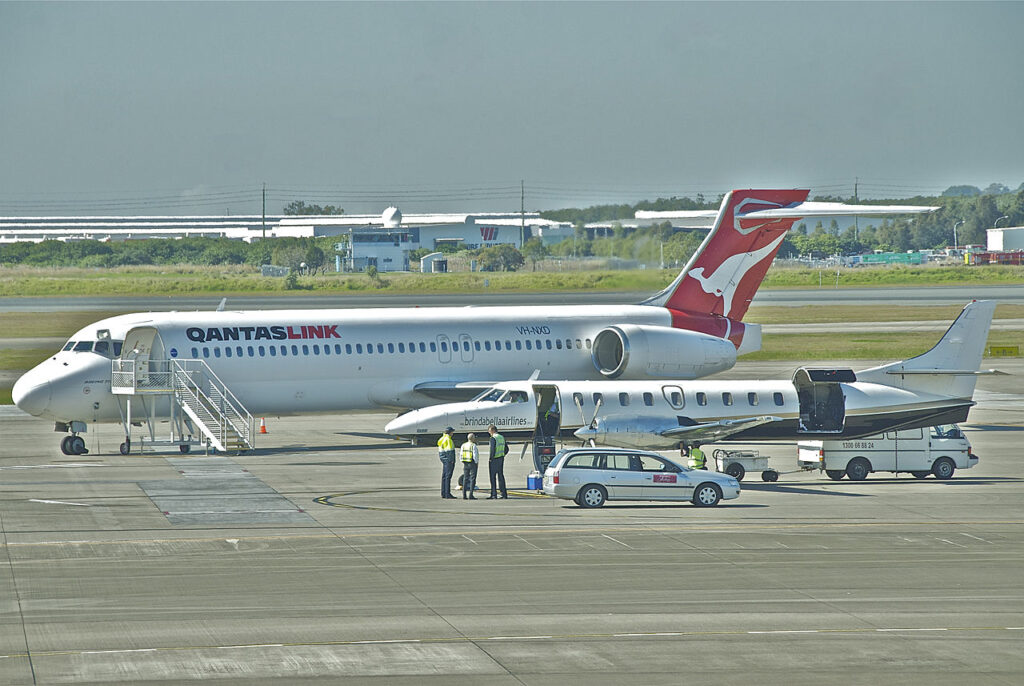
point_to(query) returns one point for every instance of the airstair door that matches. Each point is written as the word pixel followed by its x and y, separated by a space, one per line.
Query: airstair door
pixel 546 425
pixel 822 403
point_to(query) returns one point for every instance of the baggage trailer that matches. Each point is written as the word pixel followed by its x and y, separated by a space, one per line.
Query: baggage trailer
pixel 940 450
pixel 736 463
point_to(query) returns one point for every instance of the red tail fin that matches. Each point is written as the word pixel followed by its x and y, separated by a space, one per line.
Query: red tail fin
pixel 725 272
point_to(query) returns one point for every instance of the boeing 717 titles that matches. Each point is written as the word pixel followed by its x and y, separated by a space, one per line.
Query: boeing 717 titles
pixel 207 372
pixel 930 389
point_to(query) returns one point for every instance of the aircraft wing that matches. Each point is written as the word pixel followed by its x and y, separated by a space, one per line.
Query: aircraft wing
pixel 452 392
pixel 714 431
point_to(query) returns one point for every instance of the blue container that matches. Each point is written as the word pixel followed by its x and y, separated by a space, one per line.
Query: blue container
pixel 534 482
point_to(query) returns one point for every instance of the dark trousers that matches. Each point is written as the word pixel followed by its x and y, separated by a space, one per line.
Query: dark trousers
pixel 468 479
pixel 447 469
pixel 497 470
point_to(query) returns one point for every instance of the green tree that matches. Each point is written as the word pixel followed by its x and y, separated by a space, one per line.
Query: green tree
pixel 299 207
pixel 500 258
pixel 315 259
pixel 534 250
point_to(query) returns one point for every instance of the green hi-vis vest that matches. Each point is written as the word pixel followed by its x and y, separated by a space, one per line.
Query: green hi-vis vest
pixel 500 448
pixel 467 454
pixel 697 458
pixel 445 443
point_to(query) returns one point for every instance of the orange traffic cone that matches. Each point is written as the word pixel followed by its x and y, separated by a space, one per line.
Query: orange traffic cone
pixel 263 425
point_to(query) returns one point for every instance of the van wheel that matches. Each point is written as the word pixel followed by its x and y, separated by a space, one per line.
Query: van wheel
pixel 736 471
pixel 858 469
pixel 592 495
pixel 707 495
pixel 943 468
pixel 835 474
pixel 920 475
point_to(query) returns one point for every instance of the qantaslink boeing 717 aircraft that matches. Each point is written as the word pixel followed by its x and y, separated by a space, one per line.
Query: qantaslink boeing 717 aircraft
pixel 208 373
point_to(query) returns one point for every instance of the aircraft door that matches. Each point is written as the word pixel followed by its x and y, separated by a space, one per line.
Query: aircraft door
pixel 145 349
pixel 822 403
pixel 466 347
pixel 546 425
pixel 444 349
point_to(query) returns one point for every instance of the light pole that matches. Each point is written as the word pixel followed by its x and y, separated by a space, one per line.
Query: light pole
pixel 955 244
pixel 1005 216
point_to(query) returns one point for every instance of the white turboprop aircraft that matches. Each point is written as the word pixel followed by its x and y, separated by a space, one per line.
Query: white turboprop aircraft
pixel 215 368
pixel 930 389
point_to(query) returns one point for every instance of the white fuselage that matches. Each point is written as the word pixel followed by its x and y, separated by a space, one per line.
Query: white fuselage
pixel 303 361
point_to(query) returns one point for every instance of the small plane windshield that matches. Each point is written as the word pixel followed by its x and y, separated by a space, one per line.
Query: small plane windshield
pixel 489 395
pixel 69 345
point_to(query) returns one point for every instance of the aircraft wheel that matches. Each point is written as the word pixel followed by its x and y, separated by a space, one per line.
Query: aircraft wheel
pixel 592 495
pixel 126 448
pixel 77 445
pixel 707 495
pixel 943 468
pixel 769 475
pixel 65 445
pixel 835 474
pixel 736 471
pixel 858 469
pixel 920 475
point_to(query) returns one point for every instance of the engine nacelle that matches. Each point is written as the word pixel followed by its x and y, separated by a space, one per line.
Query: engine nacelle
pixel 637 351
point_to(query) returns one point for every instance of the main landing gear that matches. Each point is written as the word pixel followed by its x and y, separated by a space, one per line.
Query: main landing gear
pixel 73 445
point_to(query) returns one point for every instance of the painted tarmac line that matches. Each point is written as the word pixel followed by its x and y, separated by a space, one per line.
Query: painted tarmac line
pixel 551 637
pixel 57 502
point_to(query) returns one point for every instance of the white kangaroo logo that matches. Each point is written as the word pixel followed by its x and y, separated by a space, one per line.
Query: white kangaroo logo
pixel 730 273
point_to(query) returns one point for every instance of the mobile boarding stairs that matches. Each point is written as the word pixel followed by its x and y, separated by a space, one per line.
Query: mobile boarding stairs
pixel 198 406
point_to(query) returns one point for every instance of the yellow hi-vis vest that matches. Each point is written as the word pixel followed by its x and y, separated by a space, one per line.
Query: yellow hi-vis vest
pixel 467 453
pixel 445 443
pixel 696 458
pixel 500 448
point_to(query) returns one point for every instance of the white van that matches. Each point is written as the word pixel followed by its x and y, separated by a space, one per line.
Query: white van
pixel 940 450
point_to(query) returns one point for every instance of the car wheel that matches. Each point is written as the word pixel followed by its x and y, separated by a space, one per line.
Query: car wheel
pixel 769 475
pixel 736 471
pixel 707 495
pixel 858 469
pixel 592 495
pixel 943 468
pixel 835 474
pixel 920 475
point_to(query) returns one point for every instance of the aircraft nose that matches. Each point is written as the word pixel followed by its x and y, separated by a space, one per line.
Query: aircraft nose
pixel 31 395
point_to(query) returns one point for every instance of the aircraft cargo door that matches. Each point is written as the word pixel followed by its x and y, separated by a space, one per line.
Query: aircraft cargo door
pixel 546 426
pixel 822 403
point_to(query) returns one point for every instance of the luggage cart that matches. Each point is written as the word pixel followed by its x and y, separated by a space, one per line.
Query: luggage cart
pixel 736 463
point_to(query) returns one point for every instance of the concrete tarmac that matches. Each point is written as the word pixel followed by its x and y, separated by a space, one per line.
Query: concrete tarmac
pixel 327 554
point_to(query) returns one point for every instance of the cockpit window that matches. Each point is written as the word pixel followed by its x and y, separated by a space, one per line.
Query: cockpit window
pixel 102 347
pixel 517 397
pixel 83 346
pixel 69 345
pixel 489 395
pixel 117 348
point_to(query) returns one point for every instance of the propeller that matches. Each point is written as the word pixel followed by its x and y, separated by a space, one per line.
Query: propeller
pixel 592 424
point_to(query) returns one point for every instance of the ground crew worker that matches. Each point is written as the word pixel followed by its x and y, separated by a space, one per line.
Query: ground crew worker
pixel 446 453
pixel 470 460
pixel 697 459
pixel 496 465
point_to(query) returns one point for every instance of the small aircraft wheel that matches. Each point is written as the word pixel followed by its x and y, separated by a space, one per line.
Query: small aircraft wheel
pixel 736 471
pixel 858 469
pixel 707 495
pixel 125 448
pixel 920 475
pixel 77 445
pixel 943 468
pixel 835 474
pixel 769 475
pixel 65 445
pixel 185 449
pixel 592 495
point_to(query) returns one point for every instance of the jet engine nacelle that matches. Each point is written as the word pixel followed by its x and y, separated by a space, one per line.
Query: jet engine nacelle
pixel 638 351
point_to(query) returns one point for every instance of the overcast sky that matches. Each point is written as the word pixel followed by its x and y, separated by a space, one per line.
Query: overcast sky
pixel 131 107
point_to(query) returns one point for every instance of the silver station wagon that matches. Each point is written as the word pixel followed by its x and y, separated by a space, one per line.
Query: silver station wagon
pixel 592 476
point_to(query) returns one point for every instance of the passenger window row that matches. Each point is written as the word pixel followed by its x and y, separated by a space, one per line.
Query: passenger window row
pixel 676 398
pixel 377 348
